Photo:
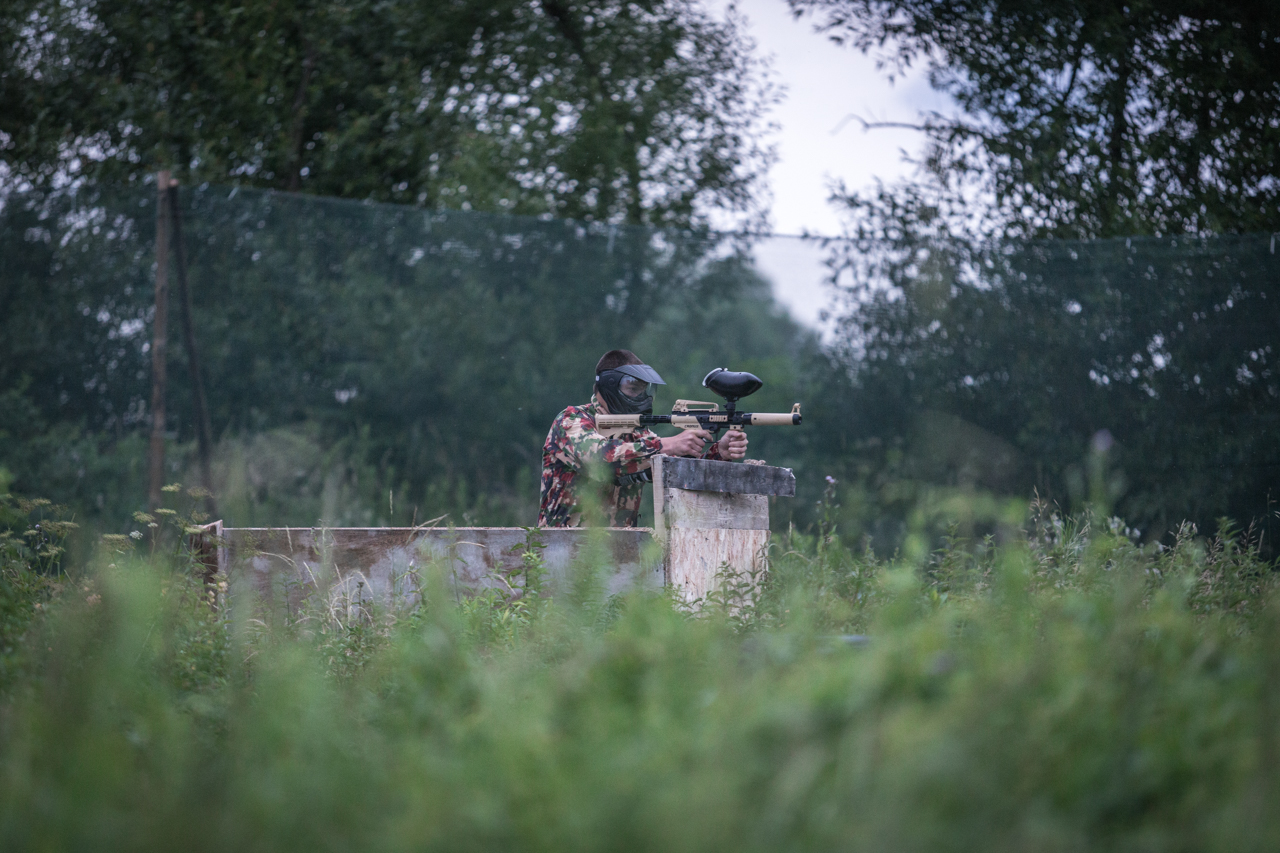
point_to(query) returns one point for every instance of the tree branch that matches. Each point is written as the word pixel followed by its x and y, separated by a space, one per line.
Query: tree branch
pixel 878 125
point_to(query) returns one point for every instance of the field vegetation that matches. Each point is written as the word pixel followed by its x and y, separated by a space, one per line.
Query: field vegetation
pixel 410 230
pixel 1063 689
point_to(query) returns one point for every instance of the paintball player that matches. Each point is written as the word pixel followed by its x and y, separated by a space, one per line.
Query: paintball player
pixel 574 450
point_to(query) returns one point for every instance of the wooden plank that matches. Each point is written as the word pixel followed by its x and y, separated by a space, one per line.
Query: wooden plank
pixel 710 536
pixel 659 497
pixel 706 475
pixel 700 561
pixel 715 510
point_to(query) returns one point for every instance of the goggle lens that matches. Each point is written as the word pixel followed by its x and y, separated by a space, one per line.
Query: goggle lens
pixel 634 388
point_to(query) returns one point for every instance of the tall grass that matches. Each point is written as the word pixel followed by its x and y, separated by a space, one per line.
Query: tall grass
pixel 1069 690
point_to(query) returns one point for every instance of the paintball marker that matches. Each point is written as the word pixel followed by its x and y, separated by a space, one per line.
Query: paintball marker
pixel 692 414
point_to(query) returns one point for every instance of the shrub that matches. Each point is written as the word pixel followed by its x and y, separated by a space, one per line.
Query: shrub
pixel 1072 690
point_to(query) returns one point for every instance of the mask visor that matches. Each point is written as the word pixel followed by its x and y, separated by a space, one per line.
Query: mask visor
pixel 643 372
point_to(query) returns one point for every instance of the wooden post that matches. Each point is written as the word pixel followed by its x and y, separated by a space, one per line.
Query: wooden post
pixel 712 519
pixel 159 344
pixel 204 433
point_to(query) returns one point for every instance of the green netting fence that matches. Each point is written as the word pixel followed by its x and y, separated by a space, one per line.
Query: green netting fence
pixel 375 364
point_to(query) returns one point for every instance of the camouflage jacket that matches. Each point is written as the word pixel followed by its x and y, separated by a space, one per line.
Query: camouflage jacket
pixel 575 453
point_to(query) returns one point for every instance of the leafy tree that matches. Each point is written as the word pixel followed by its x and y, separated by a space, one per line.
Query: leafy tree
pixel 1082 118
pixel 605 110
pixel 1135 371
pixel 1138 374
pixel 420 351
pixel 353 349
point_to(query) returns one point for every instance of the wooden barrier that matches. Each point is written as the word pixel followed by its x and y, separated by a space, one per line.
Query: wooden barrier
pixel 712 519
pixel 709 516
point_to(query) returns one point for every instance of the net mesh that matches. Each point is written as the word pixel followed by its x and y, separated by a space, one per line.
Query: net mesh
pixel 370 363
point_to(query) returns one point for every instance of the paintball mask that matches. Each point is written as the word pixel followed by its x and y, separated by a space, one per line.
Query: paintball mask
pixel 627 390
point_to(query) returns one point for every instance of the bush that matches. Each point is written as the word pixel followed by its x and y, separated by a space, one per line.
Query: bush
pixel 32 535
pixel 1070 690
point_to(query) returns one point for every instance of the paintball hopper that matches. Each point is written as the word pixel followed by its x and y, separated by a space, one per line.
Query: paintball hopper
pixel 730 385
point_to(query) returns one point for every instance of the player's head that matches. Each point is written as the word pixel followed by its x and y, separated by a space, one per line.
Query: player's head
pixel 624 383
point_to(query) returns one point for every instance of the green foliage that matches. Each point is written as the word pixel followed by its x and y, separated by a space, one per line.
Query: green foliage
pixel 995 360
pixel 33 532
pixel 32 537
pixel 598 110
pixel 1067 690
pixel 1133 375
pixel 503 615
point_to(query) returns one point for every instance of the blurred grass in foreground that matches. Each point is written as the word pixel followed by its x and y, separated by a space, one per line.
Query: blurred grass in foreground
pixel 1066 691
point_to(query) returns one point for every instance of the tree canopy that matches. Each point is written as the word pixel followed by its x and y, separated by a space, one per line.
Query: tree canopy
pixel 1131 364
pixel 1084 118
pixel 642 112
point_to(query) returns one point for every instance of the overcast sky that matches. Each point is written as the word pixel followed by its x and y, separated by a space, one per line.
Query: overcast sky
pixel 819 141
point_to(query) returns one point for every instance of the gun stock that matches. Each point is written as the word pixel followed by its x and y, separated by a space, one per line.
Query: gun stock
pixel 611 426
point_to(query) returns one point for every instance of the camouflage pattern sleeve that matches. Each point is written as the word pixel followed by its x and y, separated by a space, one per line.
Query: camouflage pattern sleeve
pixel 573 451
pixel 586 447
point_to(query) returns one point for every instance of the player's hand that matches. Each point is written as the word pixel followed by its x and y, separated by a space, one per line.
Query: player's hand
pixel 733 446
pixel 689 442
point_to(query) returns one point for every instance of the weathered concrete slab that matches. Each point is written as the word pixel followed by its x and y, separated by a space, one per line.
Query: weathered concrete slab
pixel 338 567
pixel 709 516
pixel 707 475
